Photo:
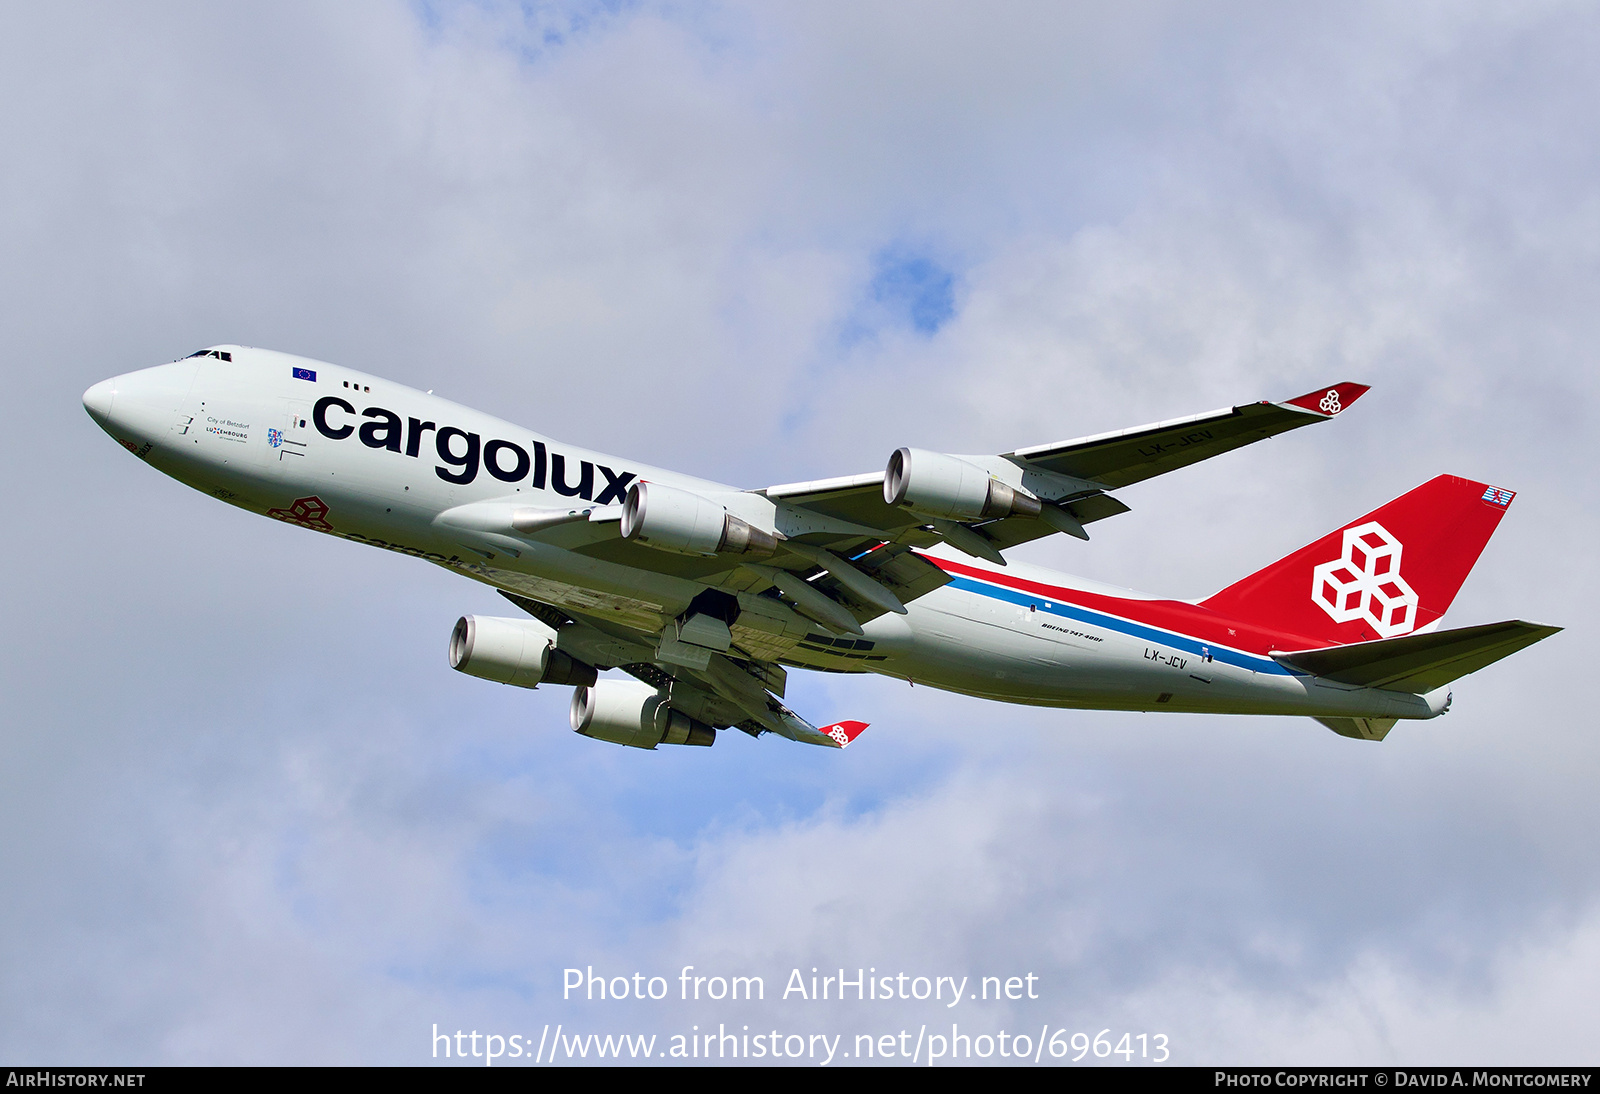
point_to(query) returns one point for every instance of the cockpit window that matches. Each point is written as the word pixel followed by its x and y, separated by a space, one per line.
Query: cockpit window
pixel 219 354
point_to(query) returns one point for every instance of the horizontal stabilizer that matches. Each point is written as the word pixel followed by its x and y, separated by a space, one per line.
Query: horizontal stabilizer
pixel 1417 663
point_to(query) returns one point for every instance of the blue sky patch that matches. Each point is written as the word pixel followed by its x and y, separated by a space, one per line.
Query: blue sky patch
pixel 531 29
pixel 907 290
pixel 914 289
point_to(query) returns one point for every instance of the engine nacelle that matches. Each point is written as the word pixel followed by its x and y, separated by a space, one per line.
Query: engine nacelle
pixel 943 486
pixel 686 523
pixel 513 651
pixel 631 712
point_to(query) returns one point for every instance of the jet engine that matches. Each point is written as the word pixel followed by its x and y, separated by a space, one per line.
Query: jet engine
pixel 513 651
pixel 938 485
pixel 630 712
pixel 678 520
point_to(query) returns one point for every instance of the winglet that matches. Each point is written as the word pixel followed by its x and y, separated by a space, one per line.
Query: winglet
pixel 844 732
pixel 1328 401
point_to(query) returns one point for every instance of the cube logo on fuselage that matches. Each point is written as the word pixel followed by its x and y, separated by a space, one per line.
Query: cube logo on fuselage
pixel 463 454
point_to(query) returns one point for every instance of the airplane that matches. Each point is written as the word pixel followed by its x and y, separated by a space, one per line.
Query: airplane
pixel 704 595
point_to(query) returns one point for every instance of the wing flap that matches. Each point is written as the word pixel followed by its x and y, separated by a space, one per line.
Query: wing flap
pixel 1010 531
pixel 901 570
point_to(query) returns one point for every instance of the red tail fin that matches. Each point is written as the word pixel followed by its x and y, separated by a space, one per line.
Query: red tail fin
pixel 1391 572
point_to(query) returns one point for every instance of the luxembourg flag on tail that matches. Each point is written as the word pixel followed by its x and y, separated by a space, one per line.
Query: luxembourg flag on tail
pixel 844 732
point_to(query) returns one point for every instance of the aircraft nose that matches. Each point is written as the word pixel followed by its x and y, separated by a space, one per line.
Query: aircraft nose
pixel 139 408
pixel 98 401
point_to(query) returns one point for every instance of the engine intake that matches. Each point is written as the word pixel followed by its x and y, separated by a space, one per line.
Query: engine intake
pixel 686 523
pixel 513 651
pixel 632 713
pixel 938 485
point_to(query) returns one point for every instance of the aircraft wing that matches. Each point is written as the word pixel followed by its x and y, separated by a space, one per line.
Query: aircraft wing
pixel 721 689
pixel 1112 460
pixel 836 573
pixel 1419 663
pixel 1073 475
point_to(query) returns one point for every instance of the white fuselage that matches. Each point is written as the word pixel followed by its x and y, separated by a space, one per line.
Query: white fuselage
pixel 383 464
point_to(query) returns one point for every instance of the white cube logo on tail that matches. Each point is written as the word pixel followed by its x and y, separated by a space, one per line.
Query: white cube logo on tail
pixel 1365 583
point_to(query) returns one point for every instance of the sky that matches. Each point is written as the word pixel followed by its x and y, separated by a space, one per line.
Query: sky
pixel 248 815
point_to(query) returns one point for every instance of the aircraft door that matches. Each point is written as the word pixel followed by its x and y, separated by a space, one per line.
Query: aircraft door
pixel 288 440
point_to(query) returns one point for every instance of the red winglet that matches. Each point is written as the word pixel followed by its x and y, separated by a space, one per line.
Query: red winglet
pixel 1328 401
pixel 844 732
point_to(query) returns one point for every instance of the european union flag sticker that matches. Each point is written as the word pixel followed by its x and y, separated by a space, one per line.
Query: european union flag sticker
pixel 305 374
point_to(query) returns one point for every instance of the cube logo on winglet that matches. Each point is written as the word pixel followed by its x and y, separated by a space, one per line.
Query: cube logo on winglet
pixel 844 732
pixel 1329 401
